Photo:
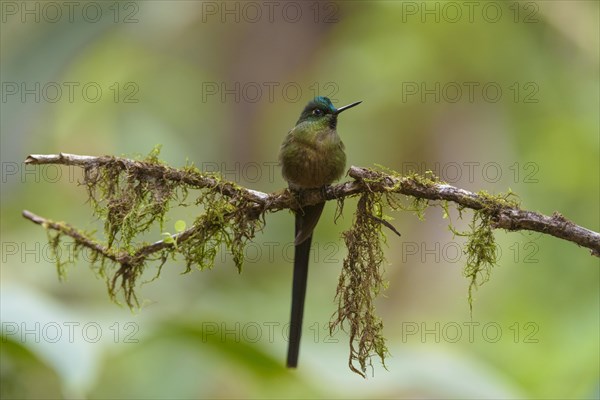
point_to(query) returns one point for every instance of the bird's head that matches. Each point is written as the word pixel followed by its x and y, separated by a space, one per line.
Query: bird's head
pixel 320 109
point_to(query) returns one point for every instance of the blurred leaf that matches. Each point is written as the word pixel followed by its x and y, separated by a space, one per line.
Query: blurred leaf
pixel 24 376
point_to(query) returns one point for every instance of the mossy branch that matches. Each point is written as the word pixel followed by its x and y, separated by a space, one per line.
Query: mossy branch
pixel 503 214
pixel 132 195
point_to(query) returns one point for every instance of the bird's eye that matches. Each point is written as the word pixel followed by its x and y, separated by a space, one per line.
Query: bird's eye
pixel 317 112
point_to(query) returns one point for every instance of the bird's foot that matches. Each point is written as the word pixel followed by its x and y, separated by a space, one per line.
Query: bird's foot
pixel 324 191
pixel 296 195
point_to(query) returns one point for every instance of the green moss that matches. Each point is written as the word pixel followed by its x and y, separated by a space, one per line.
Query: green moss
pixel 131 199
pixel 428 179
pixel 481 252
pixel 360 282
pixel 481 248
pixel 496 202
pixel 56 253
pixel 225 221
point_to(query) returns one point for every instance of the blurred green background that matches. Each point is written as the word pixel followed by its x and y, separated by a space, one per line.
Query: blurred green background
pixel 489 95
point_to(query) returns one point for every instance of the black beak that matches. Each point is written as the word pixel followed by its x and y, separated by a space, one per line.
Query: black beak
pixel 339 110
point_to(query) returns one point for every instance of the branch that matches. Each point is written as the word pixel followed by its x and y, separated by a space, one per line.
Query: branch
pixel 511 218
pixel 122 257
pixel 150 169
pixel 505 215
pixel 68 230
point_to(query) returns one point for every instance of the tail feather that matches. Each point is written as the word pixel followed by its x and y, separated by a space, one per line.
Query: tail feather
pixel 306 220
pixel 305 224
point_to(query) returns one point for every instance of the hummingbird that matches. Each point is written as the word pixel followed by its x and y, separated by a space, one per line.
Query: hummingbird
pixel 312 156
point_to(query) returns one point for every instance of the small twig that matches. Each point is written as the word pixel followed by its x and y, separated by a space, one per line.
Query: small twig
pixel 119 257
pixel 68 230
pixel 386 223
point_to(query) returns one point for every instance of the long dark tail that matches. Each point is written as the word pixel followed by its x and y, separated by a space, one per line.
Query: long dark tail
pixel 306 220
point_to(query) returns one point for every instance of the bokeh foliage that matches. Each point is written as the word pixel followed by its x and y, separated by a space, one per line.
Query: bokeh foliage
pixel 547 151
